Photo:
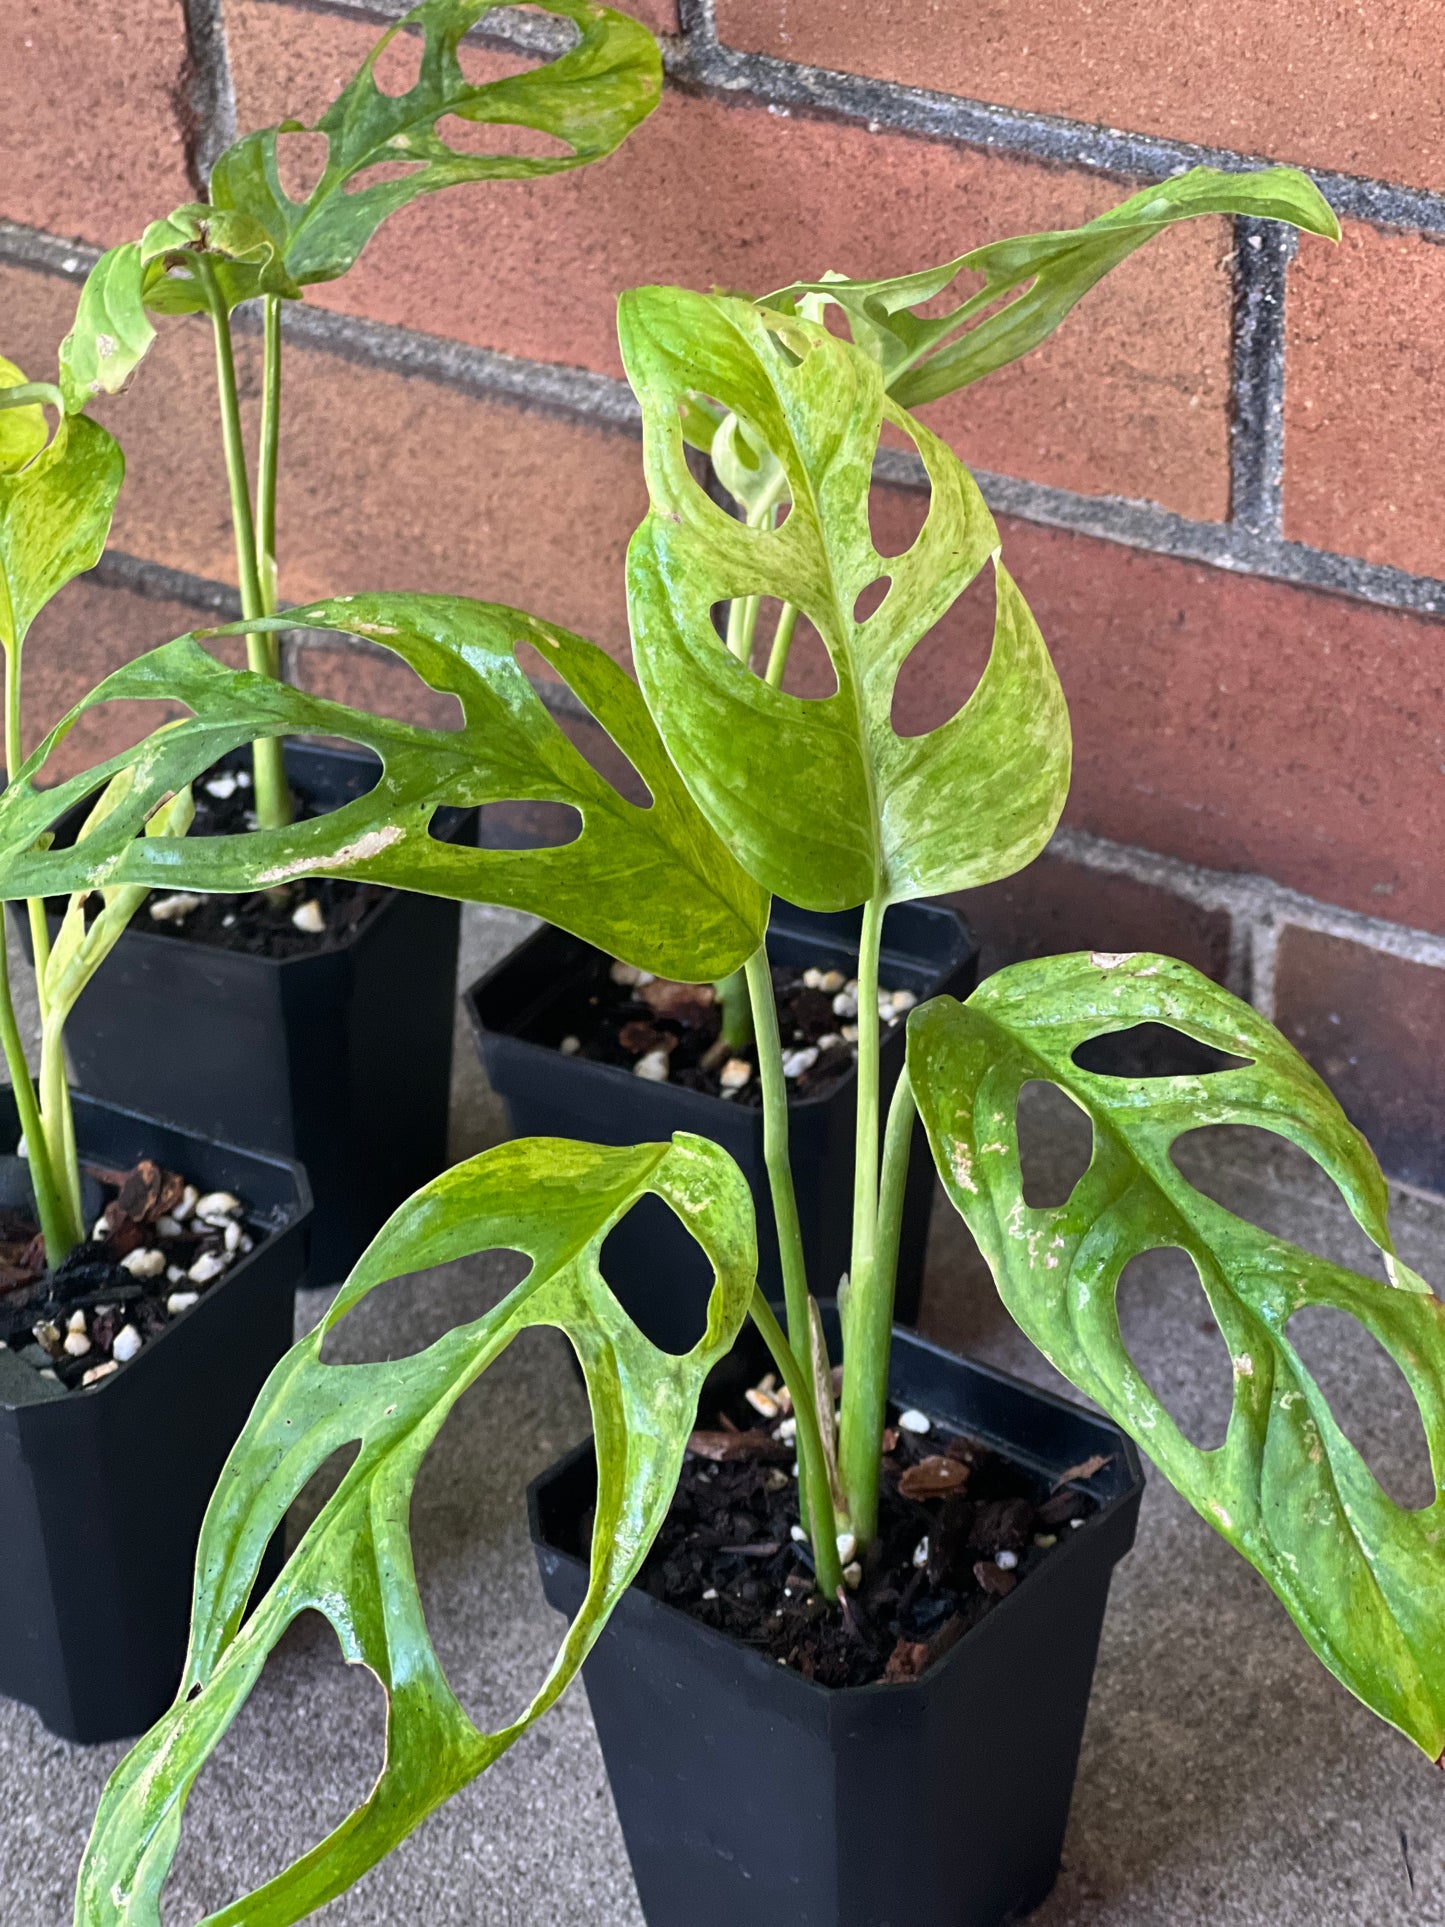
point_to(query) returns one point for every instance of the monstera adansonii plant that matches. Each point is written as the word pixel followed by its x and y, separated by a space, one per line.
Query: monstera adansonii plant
pixel 753 789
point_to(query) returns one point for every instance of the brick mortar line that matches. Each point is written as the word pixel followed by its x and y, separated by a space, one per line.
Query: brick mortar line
pixel 1263 251
pixel 208 90
pixel 1258 903
pixel 706 61
pixel 699 60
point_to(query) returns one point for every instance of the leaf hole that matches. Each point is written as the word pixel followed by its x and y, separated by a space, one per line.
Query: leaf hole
pixel 405 1315
pixel 808 671
pixel 528 825
pixel 659 1274
pixel 300 163
pixel 379 173
pixel 581 728
pixel 1153 1050
pixel 373 678
pixel 302 1753
pixel 1370 1398
pixel 503 139
pixel 397 66
pixel 322 1485
pixel 896 515
pixel 474 1563
pixel 1274 1185
pixel 942 670
pixel 1055 1143
pixel 1168 1329
pixel 870 599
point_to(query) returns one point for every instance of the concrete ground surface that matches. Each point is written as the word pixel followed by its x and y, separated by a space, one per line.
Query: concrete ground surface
pixel 1225 1778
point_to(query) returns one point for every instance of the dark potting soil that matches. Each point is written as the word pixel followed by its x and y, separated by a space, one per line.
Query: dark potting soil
pixel 618 1015
pixel 959 1527
pixel 264 924
pixel 106 1289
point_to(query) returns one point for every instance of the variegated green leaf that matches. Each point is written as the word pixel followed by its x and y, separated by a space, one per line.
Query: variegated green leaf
pixel 22 427
pixel 926 355
pixel 111 331
pixel 554 1201
pixel 589 98
pixel 1361 1576
pixel 55 515
pixel 260 241
pixel 821 799
pixel 652 883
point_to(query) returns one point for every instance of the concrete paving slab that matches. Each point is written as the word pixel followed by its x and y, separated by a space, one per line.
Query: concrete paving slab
pixel 1226 1780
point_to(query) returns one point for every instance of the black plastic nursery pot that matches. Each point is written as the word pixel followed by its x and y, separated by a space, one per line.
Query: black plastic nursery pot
pixel 340 1058
pixel 520 1010
pixel 103 1489
pixel 747 1793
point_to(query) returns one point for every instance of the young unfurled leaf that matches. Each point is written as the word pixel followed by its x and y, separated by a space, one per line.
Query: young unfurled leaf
pixel 652 884
pixel 1361 1577
pixel 555 1201
pixel 925 356
pixel 822 800
pixel 55 514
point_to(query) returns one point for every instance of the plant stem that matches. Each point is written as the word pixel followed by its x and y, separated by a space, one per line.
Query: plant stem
pixel 810 1445
pixel 273 797
pixel 742 622
pixel 782 643
pixel 737 1016
pixel 58 1119
pixel 813 1486
pixel 60 1237
pixel 865 1166
pixel 865 1361
pixel 267 468
pixel 857 1308
pixel 14 757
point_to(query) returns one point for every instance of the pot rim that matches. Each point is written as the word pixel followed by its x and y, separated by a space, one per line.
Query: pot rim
pixel 337 752
pixel 678 1093
pixel 1066 1552
pixel 293 1214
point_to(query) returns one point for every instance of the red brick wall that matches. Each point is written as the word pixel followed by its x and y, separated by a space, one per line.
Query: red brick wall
pixel 1217 483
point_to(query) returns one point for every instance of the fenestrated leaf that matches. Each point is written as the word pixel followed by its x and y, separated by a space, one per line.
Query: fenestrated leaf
pixel 1362 1578
pixel 652 884
pixel 924 356
pixel 54 517
pixel 555 1201
pixel 590 98
pixel 260 241
pixel 821 799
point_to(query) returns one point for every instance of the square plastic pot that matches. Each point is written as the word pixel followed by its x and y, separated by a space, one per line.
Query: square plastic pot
pixel 749 1794
pixel 340 1058
pixel 102 1490
pixel 521 1009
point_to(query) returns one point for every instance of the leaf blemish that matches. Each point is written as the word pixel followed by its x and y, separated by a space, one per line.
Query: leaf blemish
pixel 1111 959
pixel 962 1164
pixel 365 847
